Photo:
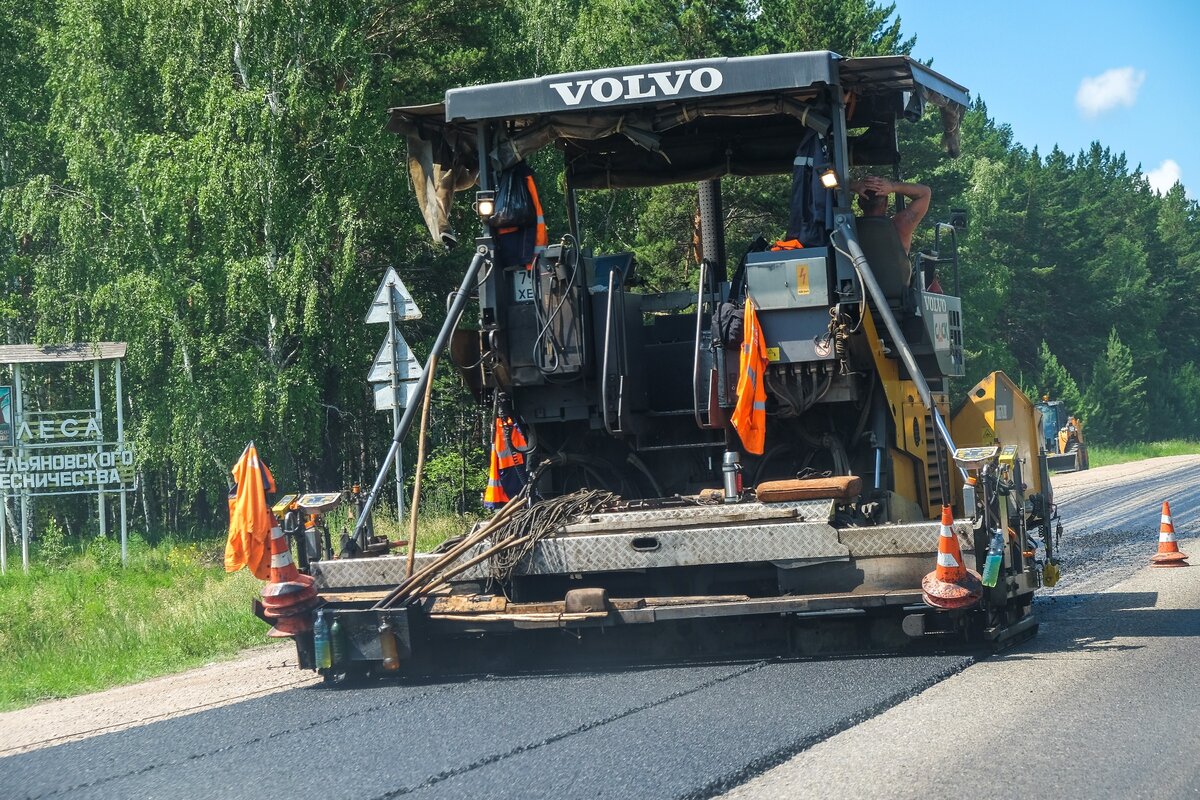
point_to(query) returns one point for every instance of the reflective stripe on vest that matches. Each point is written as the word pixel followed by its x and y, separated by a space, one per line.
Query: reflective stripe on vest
pixel 543 238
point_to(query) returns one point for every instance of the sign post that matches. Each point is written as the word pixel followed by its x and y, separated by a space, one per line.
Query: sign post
pixel 393 333
pixel 6 440
pixel 25 521
pixel 121 446
pixel 395 368
pixel 99 449
pixel 6 416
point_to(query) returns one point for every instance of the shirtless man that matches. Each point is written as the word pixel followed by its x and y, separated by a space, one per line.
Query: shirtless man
pixel 873 194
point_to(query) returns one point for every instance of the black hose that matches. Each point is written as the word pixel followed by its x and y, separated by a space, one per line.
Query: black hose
pixel 866 412
pixel 640 466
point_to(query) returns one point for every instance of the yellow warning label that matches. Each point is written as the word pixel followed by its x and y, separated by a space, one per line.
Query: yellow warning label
pixel 772 354
pixel 802 279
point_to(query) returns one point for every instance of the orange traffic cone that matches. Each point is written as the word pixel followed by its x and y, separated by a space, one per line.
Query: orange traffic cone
pixel 290 595
pixel 1168 554
pixel 951 585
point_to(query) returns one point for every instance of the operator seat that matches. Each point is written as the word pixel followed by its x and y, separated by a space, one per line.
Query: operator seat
pixel 891 266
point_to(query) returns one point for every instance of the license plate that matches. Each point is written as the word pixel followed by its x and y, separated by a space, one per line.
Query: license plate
pixel 522 285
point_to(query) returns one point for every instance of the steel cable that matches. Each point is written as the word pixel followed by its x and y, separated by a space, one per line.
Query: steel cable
pixel 509 538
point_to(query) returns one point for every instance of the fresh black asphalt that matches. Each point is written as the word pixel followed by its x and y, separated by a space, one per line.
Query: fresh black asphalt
pixel 667 732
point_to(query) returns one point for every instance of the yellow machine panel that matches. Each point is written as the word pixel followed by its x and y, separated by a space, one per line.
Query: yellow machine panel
pixel 997 411
pixel 917 475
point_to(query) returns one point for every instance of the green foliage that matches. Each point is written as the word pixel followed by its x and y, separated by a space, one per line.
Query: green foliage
pixel 1103 456
pixel 52 549
pixel 224 197
pixel 214 184
pixel 848 27
pixel 105 551
pixel 433 526
pixel 1174 398
pixel 1115 400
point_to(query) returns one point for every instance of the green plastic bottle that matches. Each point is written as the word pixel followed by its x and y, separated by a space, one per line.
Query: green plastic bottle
pixel 321 648
pixel 337 638
pixel 995 558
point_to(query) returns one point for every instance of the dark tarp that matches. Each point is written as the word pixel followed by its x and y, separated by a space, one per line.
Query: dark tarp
pixel 810 206
pixel 442 160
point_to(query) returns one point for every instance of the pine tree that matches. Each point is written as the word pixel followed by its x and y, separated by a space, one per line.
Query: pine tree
pixel 1115 401
pixel 1056 382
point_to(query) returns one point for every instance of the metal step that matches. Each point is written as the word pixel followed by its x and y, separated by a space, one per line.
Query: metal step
pixel 933 477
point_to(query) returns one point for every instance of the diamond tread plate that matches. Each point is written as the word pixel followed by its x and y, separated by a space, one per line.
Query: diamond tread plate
pixel 811 510
pixel 894 540
pixel 360 573
pixel 774 541
pixel 683 548
pixel 778 540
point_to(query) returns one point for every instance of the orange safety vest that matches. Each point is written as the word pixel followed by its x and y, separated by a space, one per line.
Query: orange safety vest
pixel 506 467
pixel 543 239
pixel 250 518
pixel 750 414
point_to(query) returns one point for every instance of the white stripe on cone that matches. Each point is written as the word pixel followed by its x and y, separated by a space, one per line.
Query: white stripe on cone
pixel 276 532
pixel 283 559
pixel 946 560
pixel 1166 520
pixel 1166 536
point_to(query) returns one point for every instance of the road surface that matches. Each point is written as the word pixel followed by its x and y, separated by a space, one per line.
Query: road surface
pixel 1100 704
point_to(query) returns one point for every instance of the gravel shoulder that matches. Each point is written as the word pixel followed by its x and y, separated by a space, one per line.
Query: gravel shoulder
pixel 254 673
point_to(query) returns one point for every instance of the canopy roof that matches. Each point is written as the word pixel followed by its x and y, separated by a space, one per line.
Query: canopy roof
pixel 669 123
pixel 614 90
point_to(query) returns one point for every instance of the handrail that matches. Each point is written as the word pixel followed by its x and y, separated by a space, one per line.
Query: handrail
pixel 608 315
pixel 937 245
pixel 696 357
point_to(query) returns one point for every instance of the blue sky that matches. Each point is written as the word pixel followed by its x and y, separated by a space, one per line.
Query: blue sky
pixel 1126 74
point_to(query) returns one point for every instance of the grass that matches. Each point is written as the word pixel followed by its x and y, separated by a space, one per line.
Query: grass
pixel 1104 456
pixel 433 528
pixel 85 624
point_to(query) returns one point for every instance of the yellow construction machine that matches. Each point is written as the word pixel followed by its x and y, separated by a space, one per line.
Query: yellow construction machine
pixel 640 510
pixel 1062 435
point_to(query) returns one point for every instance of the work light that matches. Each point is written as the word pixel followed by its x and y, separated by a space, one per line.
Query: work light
pixel 485 203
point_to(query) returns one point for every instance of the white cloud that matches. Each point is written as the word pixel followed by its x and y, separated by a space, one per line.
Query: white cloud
pixel 1164 176
pixel 1106 91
